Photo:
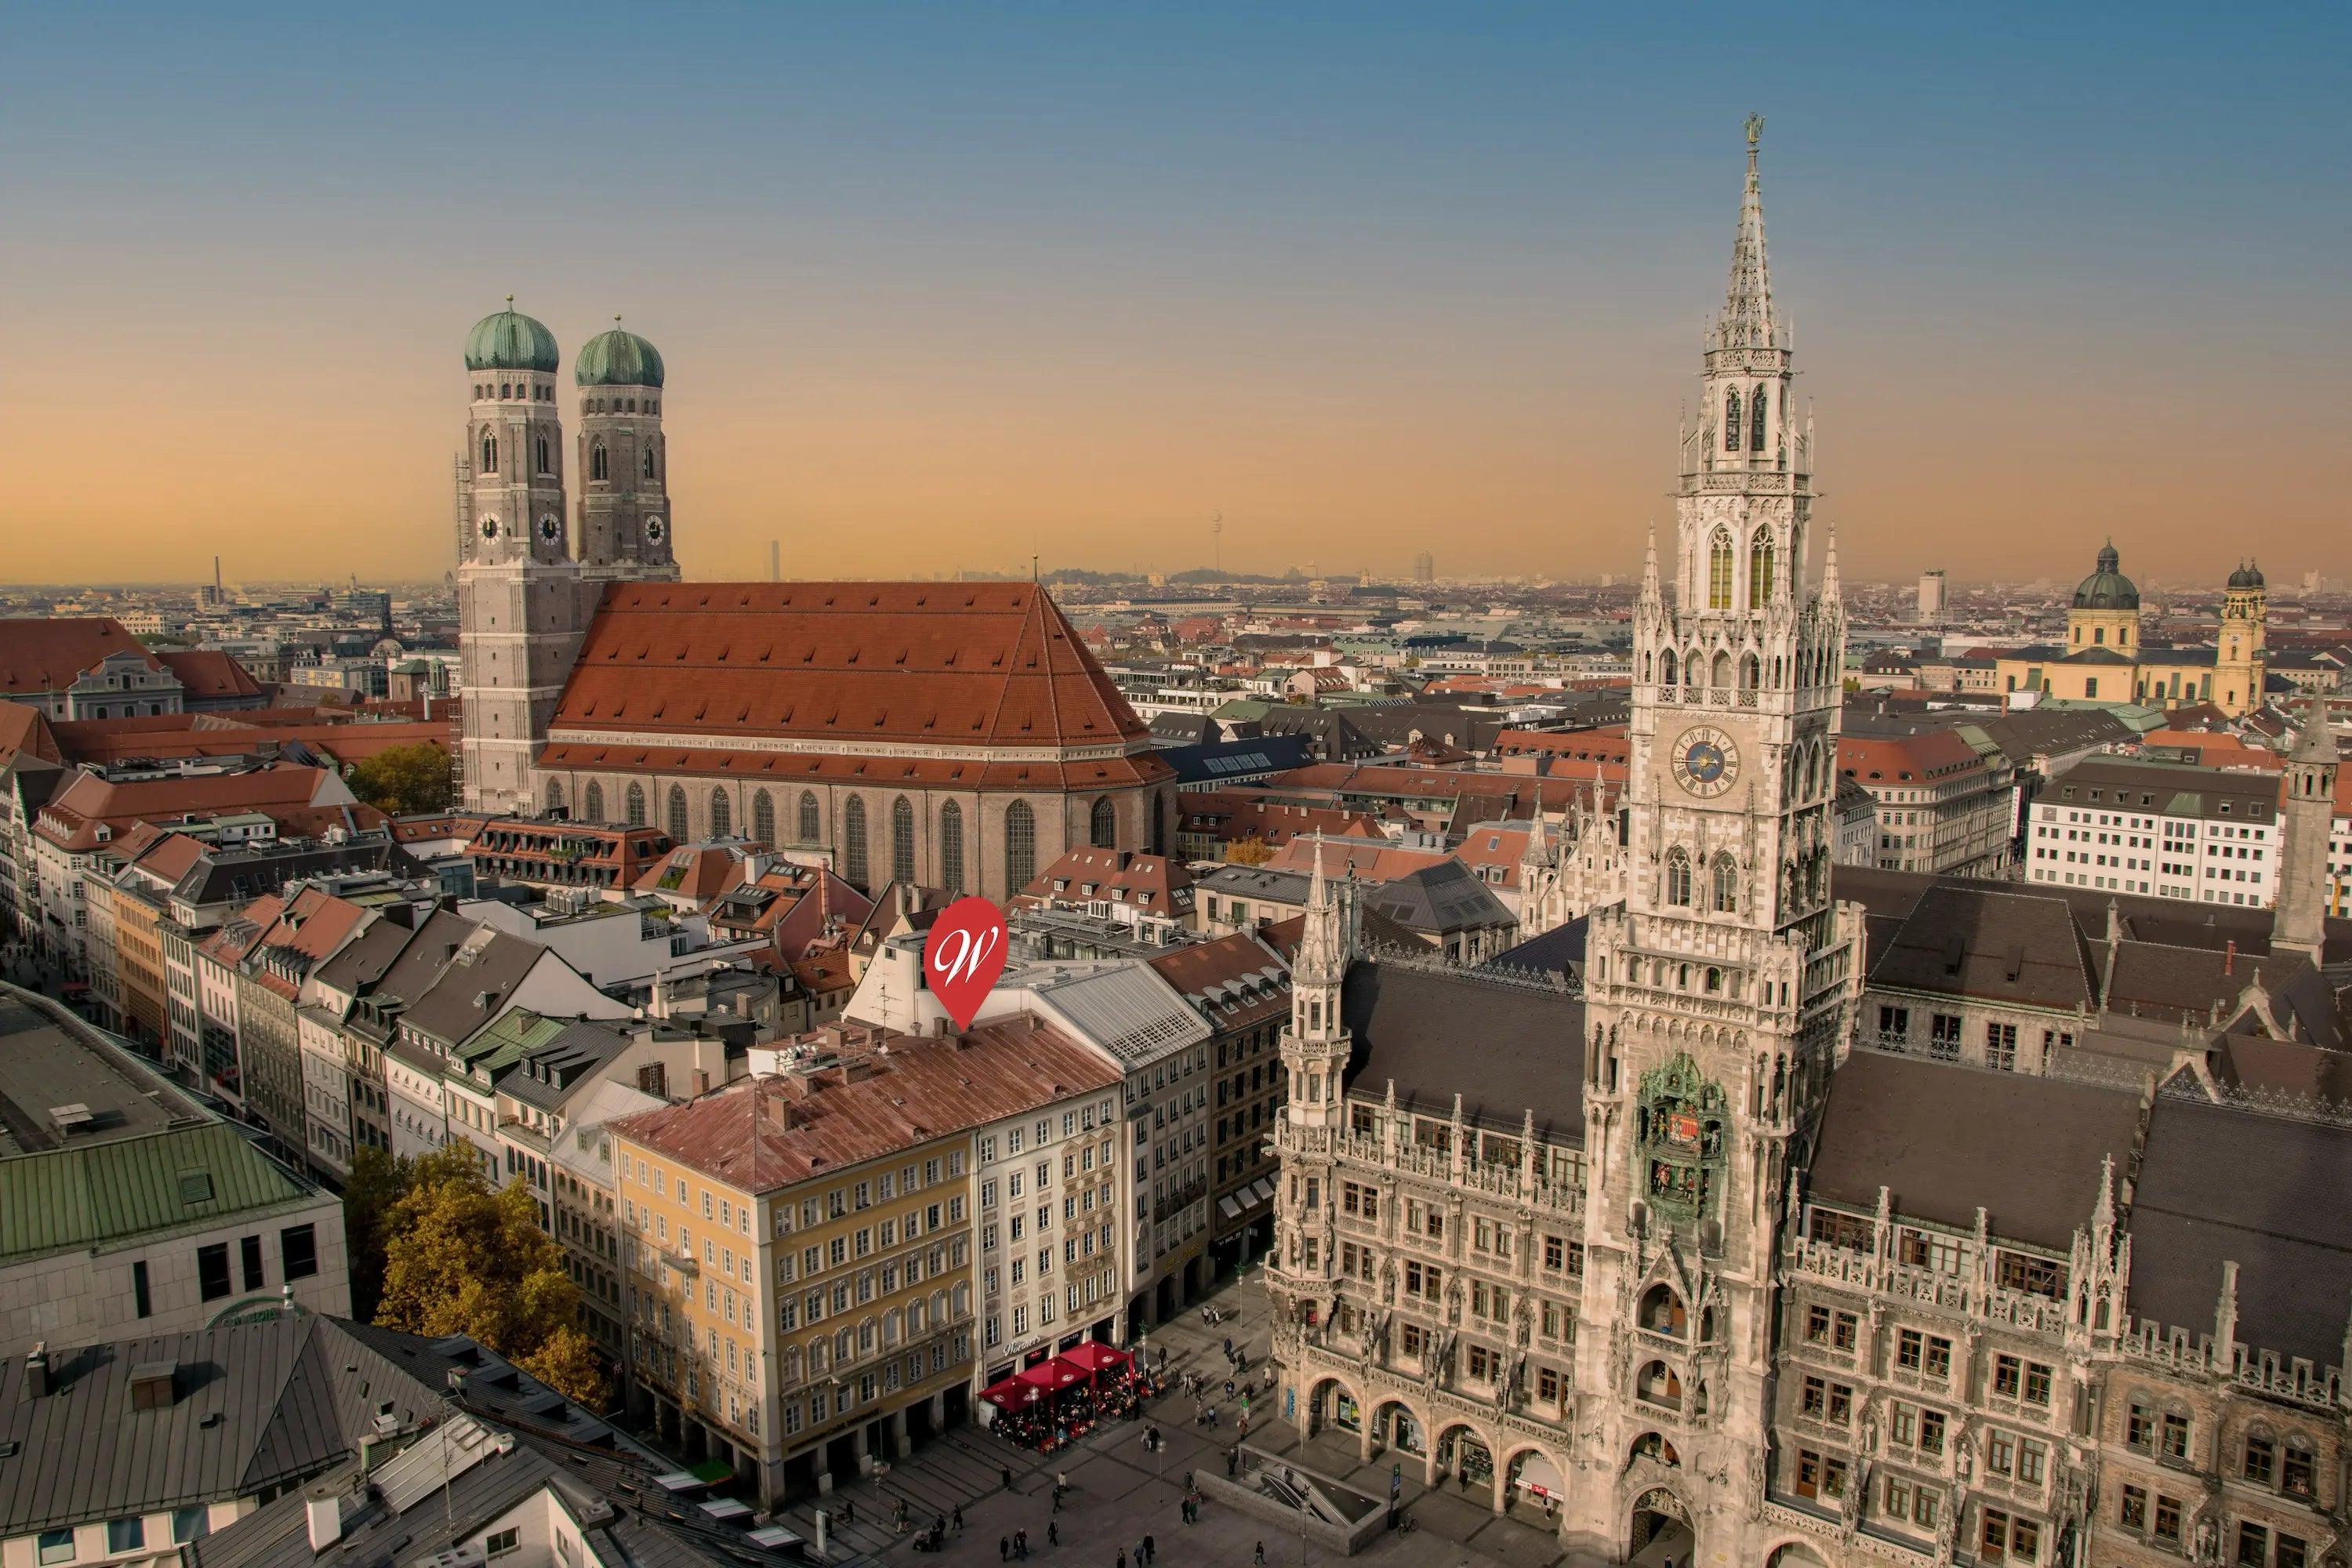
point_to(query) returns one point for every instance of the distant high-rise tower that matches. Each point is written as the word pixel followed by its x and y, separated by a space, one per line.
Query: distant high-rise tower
pixel 624 518
pixel 1931 598
pixel 520 605
pixel 2240 664
pixel 1424 568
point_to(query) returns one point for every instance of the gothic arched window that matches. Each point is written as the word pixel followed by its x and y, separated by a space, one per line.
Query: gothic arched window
pixel 763 818
pixel 1750 672
pixel 677 814
pixel 902 840
pixel 1755 421
pixel 591 802
pixel 852 842
pixel 596 465
pixel 649 462
pixel 1102 826
pixel 544 467
pixel 951 848
pixel 1718 571
pixel 1722 670
pixel 1019 847
pixel 554 796
pixel 723 814
pixel 1731 419
pixel 809 831
pixel 634 806
pixel 1678 879
pixel 490 453
pixel 1760 569
pixel 1726 885
pixel 1666 667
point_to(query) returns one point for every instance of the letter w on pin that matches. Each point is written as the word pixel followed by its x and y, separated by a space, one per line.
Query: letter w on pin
pixel 963 955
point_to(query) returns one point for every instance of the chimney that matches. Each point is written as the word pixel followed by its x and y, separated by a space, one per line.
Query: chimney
pixel 2230 958
pixel 37 1380
pixel 326 1515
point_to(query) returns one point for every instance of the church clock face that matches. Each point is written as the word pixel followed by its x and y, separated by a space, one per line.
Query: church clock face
pixel 654 530
pixel 490 528
pixel 1705 762
pixel 549 529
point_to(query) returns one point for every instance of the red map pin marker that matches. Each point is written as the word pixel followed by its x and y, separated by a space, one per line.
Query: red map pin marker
pixel 963 956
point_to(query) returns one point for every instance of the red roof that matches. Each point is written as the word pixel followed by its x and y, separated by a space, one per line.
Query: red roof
pixel 24 730
pixel 1153 882
pixel 1904 759
pixel 39 656
pixel 946 665
pixel 290 795
pixel 209 673
pixel 767 1132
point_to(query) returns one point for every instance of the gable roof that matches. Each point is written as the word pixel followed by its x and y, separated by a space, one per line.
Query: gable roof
pixel 48 655
pixel 848 664
pixel 1415 1026
pixel 209 674
pixel 1994 945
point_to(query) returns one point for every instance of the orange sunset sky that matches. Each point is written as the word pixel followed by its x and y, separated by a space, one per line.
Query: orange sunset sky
pixel 935 288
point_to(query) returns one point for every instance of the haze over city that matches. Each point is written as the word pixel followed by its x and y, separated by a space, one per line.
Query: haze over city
pixel 940 289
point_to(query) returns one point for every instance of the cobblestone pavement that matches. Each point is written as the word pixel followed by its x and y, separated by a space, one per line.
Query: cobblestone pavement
pixel 1120 1493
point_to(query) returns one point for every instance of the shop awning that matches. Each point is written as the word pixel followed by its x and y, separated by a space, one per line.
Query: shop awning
pixel 1050 1376
pixel 1538 1476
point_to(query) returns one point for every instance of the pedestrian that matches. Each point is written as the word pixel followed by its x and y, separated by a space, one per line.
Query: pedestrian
pixel 1229 1347
pixel 1005 1549
pixel 1061 1481
pixel 959 1516
pixel 1260 1559
pixel 1021 1544
pixel 1053 1533
pixel 1138 1554
pixel 1150 1549
pixel 1232 1461
pixel 1007 1472
pixel 1229 1388
pixel 1213 1418
pixel 848 1511
pixel 1122 1557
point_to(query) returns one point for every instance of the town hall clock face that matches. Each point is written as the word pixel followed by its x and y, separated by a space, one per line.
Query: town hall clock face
pixel 1705 762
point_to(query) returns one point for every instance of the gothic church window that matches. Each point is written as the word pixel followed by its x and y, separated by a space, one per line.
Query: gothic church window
pixel 554 796
pixel 677 814
pixel 722 817
pixel 1751 671
pixel 634 806
pixel 1731 419
pixel 490 453
pixel 1666 667
pixel 763 818
pixel 1726 885
pixel 808 824
pixel 1760 571
pixel 1102 828
pixel 852 842
pixel 596 463
pixel 545 465
pixel 902 840
pixel 951 848
pixel 591 802
pixel 1678 878
pixel 1718 571
pixel 1019 847
pixel 649 462
pixel 1755 422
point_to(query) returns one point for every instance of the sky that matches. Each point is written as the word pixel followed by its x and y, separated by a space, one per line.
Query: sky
pixel 938 286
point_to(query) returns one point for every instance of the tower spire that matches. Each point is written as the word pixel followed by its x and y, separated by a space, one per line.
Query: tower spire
pixel 1748 321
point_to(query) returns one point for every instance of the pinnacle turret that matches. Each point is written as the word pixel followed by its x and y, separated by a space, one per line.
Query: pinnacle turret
pixel 1748 321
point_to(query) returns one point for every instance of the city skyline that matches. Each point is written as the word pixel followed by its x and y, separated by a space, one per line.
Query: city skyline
pixel 951 292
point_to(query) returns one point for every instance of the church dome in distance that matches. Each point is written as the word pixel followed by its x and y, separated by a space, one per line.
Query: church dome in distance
pixel 616 358
pixel 2107 589
pixel 509 340
pixel 2247 575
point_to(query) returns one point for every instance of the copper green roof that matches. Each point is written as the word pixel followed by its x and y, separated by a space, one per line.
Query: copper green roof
pixel 616 358
pixel 509 339
pixel 101 1194
pixel 2108 588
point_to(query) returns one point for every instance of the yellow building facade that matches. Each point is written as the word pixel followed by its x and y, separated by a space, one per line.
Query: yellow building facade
pixel 2104 660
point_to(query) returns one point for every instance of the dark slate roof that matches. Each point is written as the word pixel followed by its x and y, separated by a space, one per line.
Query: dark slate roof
pixel 2219 1183
pixel 291 1395
pixel 1416 1026
pixel 1556 951
pixel 2153 980
pixel 241 872
pixel 1178 728
pixel 473 991
pixel 1216 762
pixel 1978 940
pixel 1438 900
pixel 2284 1068
pixel 1947 1141
pixel 547 1075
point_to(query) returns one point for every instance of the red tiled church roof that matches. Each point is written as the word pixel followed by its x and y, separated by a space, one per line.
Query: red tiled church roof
pixel 955 666
pixel 39 655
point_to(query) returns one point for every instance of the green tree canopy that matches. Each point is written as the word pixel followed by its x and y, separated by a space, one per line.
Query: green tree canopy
pixel 405 779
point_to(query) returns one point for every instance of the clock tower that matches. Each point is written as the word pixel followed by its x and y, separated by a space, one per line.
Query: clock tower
pixel 1717 994
pixel 522 605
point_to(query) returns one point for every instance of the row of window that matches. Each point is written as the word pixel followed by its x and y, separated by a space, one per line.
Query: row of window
pixel 53 1547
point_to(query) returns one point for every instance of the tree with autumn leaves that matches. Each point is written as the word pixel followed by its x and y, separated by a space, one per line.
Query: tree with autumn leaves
pixel 463 1258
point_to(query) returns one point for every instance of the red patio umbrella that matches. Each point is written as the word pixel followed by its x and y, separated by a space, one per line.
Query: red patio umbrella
pixel 1050 1376
pixel 1095 1358
pixel 1010 1394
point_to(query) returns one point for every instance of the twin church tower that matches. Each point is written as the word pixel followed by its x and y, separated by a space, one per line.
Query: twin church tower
pixel 530 570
